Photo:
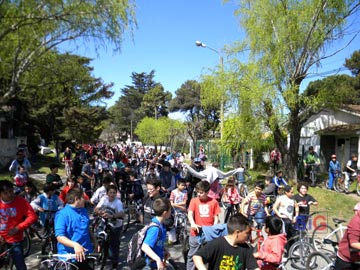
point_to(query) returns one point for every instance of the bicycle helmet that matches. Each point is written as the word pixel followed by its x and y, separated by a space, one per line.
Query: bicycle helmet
pixel 357 207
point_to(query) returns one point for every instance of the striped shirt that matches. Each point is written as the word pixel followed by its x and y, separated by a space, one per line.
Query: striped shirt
pixel 255 203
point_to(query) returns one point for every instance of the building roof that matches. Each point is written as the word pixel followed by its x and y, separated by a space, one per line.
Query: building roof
pixel 343 129
pixel 351 108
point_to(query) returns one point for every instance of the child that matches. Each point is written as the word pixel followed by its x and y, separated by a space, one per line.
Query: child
pixel 137 194
pixel 54 178
pixel 230 251
pixel 178 196
pixel 154 242
pixel 30 192
pixel 111 207
pixel 47 201
pixel 203 211
pixel 21 178
pixel 70 183
pixel 271 252
pixel 231 196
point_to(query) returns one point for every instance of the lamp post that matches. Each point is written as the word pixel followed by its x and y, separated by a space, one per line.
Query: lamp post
pixel 221 59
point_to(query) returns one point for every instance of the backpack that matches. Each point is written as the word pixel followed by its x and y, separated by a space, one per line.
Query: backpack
pixel 136 258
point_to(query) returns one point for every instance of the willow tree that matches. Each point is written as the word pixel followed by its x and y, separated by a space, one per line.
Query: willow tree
pixel 285 39
pixel 29 29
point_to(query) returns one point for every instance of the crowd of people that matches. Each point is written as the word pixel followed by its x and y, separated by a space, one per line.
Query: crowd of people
pixel 103 178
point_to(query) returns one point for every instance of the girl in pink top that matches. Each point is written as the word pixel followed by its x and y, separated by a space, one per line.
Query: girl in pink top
pixel 271 252
pixel 231 196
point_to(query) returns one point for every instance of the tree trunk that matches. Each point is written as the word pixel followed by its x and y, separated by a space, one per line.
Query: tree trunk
pixel 290 155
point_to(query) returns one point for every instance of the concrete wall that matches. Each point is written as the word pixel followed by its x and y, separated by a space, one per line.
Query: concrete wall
pixel 7 151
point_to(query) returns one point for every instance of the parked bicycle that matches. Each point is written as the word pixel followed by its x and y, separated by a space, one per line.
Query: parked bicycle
pixel 322 260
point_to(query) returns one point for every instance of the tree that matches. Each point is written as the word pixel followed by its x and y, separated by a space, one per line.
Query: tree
pixel 286 39
pixel 155 102
pixel 30 29
pixel 58 99
pixel 127 108
pixel 199 120
pixel 353 63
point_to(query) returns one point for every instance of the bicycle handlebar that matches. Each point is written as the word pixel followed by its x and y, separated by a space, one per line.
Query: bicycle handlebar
pixel 68 256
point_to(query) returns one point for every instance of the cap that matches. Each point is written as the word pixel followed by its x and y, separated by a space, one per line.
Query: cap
pixel 333 156
pixel 198 160
pixel 357 207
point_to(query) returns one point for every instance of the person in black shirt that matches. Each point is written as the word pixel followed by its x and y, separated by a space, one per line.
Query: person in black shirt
pixel 304 200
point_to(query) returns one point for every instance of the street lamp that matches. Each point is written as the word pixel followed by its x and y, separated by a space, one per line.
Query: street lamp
pixel 221 59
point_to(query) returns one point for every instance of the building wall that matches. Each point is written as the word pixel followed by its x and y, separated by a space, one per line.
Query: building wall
pixel 7 151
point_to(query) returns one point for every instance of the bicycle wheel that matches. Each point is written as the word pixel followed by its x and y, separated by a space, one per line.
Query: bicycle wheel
pixel 318 260
pixel 299 252
pixel 26 243
pixel 339 184
pixel 321 233
pixel 127 217
pixel 49 245
pixel 102 248
pixel 170 265
pixel 358 188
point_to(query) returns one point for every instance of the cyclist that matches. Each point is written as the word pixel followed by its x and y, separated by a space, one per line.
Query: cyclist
pixel 255 202
pixel 232 197
pixel 279 180
pixel 67 159
pixel 311 161
pixel 351 168
pixel 304 200
pixel 16 215
pixel 240 174
pixel 349 246
pixel 334 169
pixel 287 209
pixel 72 228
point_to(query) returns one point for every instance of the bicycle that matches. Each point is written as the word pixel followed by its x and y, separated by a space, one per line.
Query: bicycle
pixel 312 174
pixel 338 182
pixel 243 189
pixel 300 250
pixel 320 242
pixel 64 261
pixel 320 260
pixel 6 261
pixel 259 237
pixel 102 228
pixel 49 242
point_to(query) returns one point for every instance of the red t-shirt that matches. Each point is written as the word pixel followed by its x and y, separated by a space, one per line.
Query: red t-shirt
pixel 204 212
pixel 17 213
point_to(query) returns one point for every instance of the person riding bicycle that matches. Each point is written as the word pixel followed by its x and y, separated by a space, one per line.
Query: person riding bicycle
pixel 350 170
pixel 240 174
pixel 16 215
pixel 311 161
pixel 334 170
pixel 255 202
pixel 279 180
pixel 231 197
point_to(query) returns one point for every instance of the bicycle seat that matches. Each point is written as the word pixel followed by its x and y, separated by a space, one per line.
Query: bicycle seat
pixel 330 242
pixel 338 221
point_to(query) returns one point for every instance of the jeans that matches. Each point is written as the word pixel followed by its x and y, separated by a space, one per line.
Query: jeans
pixel 194 246
pixel 331 180
pixel 114 244
pixel 18 256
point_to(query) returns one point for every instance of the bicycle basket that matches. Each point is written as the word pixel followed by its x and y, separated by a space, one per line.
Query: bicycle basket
pixel 301 222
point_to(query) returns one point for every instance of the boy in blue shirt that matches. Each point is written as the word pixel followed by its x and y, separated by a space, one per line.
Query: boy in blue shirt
pixel 154 242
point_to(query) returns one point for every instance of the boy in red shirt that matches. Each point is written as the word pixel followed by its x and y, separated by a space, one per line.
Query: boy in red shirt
pixel 202 211
pixel 16 215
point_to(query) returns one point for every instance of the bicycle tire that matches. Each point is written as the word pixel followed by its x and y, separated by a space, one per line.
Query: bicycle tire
pixel 318 260
pixel 321 233
pixel 102 248
pixel 49 245
pixel 298 255
pixel 170 265
pixel 339 184
pixel 127 217
pixel 26 243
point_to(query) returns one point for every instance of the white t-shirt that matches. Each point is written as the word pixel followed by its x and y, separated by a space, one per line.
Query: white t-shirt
pixel 115 206
pixel 286 206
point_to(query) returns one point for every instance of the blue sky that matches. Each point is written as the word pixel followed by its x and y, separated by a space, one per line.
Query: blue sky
pixel 165 41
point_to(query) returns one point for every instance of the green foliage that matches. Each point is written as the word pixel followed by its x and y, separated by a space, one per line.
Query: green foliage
pixel 155 102
pixel 30 29
pixel 158 131
pixel 353 63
